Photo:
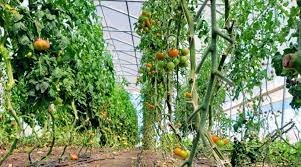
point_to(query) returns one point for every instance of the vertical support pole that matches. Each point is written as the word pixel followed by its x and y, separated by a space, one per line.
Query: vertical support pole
pixel 283 101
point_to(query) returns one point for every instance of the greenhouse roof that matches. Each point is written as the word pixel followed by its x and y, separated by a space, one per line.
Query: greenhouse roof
pixel 118 18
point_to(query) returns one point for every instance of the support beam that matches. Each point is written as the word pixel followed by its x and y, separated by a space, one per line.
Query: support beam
pixel 118 11
pixel 264 94
pixel 109 33
pixel 108 39
pixel 128 13
pixel 107 28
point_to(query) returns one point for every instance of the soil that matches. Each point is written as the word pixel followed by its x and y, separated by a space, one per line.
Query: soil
pixel 98 158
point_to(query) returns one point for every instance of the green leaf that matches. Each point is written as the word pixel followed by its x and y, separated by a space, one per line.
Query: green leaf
pixel 44 86
pixel 50 16
pixel 24 40
pixel 18 27
pixel 39 27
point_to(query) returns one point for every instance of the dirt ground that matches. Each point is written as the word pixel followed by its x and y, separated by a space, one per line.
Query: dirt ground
pixel 99 158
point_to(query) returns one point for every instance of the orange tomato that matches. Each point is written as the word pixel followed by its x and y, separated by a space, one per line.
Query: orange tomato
pixel 150 106
pixel 173 52
pixel 188 94
pixel 73 157
pixel 41 44
pixel 177 151
pixel 160 56
pixel 215 138
pixel 149 65
pixel 183 154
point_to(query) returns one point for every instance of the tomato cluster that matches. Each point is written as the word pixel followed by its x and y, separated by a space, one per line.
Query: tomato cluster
pixel 145 22
pixel 166 61
pixel 219 141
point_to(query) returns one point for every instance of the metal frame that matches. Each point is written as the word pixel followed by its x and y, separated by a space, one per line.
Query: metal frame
pixel 113 39
pixel 118 30
pixel 118 40
pixel 110 34
pixel 116 10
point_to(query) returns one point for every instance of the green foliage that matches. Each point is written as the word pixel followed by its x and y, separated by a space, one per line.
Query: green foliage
pixel 121 118
pixel 158 82
pixel 291 57
pixel 71 69
pixel 75 74
pixel 259 34
pixel 283 154
pixel 254 151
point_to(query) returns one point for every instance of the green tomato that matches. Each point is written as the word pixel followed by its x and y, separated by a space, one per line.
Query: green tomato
pixel 183 59
pixel 58 101
pixel 176 61
pixel 185 51
pixel 220 143
pixel 148 69
pixel 140 70
pixel 161 65
pixel 29 55
pixel 184 64
pixel 170 66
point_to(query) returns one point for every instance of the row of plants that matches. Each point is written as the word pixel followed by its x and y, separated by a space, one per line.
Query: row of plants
pixel 183 96
pixel 56 73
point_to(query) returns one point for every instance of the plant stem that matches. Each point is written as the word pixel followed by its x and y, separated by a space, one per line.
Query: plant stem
pixel 8 100
pixel 200 10
pixel 212 81
pixel 52 141
pixel 199 67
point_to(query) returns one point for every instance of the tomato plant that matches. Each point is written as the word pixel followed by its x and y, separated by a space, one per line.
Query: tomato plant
pixel 230 63
pixel 57 72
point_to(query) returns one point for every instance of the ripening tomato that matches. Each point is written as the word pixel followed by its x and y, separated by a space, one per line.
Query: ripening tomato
pixel 225 141
pixel 214 138
pixel 173 52
pixel 41 44
pixel 183 154
pixel 160 56
pixel 185 51
pixel 149 65
pixel 188 94
pixel 73 157
pixel 220 143
pixel 150 106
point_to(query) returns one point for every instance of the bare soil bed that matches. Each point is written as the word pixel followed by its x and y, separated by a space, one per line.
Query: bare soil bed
pixel 98 158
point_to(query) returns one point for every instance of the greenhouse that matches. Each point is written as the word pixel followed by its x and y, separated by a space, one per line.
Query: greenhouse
pixel 150 83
